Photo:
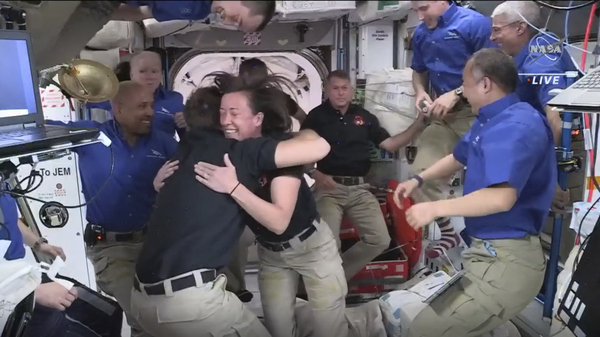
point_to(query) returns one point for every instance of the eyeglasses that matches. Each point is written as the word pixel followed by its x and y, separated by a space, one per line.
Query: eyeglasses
pixel 498 29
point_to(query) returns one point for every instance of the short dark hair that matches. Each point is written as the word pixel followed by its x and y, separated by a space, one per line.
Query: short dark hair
pixel 341 74
pixel 202 108
pixel 496 65
pixel 254 68
pixel 264 8
pixel 123 71
pixel 264 95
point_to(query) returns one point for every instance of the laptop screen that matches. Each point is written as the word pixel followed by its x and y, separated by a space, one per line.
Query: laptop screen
pixel 17 95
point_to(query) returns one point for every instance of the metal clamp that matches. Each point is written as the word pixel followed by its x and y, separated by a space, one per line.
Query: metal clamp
pixel 562 155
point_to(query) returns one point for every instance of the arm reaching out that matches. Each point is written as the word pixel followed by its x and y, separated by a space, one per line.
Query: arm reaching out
pixel 305 148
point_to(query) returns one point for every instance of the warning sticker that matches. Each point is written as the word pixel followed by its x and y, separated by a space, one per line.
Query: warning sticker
pixel 52 98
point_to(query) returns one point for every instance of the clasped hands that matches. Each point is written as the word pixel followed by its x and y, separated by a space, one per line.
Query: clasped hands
pixel 222 179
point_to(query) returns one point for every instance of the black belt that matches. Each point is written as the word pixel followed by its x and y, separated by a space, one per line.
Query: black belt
pixel 94 234
pixel 130 236
pixel 280 247
pixel 176 284
pixel 349 181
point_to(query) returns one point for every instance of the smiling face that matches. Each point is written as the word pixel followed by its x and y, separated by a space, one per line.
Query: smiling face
pixel 235 13
pixel 508 34
pixel 146 69
pixel 237 119
pixel 133 108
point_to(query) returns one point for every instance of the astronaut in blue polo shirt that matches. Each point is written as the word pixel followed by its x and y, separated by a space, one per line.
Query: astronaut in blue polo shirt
pixel 248 16
pixel 442 44
pixel 509 183
pixel 146 69
pixel 120 179
pixel 539 72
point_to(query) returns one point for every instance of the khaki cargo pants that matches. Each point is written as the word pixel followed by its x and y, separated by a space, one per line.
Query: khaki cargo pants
pixel 436 142
pixel 114 265
pixel 207 310
pixel 501 278
pixel 318 262
pixel 363 210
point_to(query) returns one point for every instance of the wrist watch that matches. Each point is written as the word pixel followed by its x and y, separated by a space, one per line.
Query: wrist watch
pixel 39 243
pixel 459 92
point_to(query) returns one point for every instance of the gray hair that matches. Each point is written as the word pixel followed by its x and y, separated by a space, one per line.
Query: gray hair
pixel 496 65
pixel 515 11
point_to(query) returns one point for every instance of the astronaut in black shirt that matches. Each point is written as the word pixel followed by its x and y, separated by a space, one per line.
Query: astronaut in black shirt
pixel 255 69
pixel 293 241
pixel 192 230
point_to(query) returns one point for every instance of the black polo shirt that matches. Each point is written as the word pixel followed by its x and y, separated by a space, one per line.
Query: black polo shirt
pixel 304 212
pixel 349 136
pixel 193 227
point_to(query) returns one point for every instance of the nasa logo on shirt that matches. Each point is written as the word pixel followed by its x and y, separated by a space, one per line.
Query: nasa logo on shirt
pixel 544 49
pixel 163 111
pixel 358 120
pixel 156 154
pixel 452 35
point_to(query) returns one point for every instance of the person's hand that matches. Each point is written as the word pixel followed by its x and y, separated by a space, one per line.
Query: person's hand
pixel 443 104
pixel 180 120
pixel 421 214
pixel 52 251
pixel 560 200
pixel 405 190
pixel 420 97
pixel 165 171
pixel 323 181
pixel 55 295
pixel 217 178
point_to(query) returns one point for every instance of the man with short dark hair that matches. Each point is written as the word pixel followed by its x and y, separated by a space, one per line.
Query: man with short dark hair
pixel 339 178
pixel 442 44
pixel 511 169
pixel 248 16
pixel 123 191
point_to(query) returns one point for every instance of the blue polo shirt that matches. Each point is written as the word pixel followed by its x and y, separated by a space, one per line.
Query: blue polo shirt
pixel 536 71
pixel 126 202
pixel 445 50
pixel 176 10
pixel 510 142
pixel 10 231
pixel 166 104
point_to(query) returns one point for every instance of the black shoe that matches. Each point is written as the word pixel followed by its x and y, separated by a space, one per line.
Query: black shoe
pixel 244 295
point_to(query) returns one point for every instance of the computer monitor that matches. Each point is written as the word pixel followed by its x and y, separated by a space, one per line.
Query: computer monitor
pixel 19 91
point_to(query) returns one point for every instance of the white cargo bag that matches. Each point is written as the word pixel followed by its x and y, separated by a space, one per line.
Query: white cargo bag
pixel 389 95
pixel 114 34
pixel 155 29
pixel 18 279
